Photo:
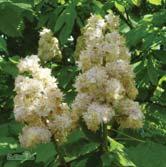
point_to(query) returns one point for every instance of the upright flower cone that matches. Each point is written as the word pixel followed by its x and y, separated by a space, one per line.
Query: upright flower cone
pixel 39 102
pixel 106 87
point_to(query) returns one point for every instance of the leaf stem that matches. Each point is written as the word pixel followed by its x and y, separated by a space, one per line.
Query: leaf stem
pixel 104 138
pixel 60 154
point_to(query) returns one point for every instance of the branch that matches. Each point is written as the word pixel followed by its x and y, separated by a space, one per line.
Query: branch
pixel 124 18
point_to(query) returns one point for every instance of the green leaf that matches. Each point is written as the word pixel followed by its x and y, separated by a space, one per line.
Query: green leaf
pixel 65 23
pixel 53 16
pixel 155 124
pixel 9 68
pixel 14 128
pixel 155 2
pixel 9 145
pixel 152 72
pixel 119 7
pixel 135 36
pixel 148 155
pixel 9 22
pixel 80 147
pixel 12 164
pixel 44 152
pixel 161 56
pixel 120 156
pixel 4 130
pixel 159 95
pixel 66 75
pixel 124 160
pixel 114 145
pixel 159 18
pixel 3 45
pixel 94 160
pixel 98 7
pixel 22 5
pixel 107 159
pixel 79 163
pixel 136 2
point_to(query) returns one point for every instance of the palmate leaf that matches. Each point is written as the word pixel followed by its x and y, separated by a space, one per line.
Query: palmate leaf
pixel 155 122
pixel 78 147
pixel 120 158
pixel 65 22
pixel 149 154
pixel 11 17
pixel 44 152
pixel 145 33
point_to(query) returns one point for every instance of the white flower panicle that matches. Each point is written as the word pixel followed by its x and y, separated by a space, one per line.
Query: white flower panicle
pixel 48 46
pixel 107 78
pixel 39 103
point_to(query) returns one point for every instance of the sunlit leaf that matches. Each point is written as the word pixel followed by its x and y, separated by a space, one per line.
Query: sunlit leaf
pixel 155 2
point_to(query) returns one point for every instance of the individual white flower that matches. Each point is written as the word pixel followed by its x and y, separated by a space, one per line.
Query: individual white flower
pixel 60 126
pixel 132 116
pixel 28 85
pixel 114 90
pixel 29 64
pixel 111 46
pixel 112 21
pixel 92 79
pixel 44 74
pixel 119 69
pixel 84 62
pixel 129 85
pixel 81 103
pixel 97 114
pixel 34 135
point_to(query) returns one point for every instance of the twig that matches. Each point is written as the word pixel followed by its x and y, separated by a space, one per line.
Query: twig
pixel 124 19
pixel 60 154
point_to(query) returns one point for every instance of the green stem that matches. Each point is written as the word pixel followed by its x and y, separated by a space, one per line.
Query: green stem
pixel 60 154
pixel 104 138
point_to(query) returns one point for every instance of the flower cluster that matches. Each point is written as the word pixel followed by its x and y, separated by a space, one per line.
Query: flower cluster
pixel 39 104
pixel 48 46
pixel 106 87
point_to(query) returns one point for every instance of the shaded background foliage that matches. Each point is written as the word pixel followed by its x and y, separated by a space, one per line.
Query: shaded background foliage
pixel 143 23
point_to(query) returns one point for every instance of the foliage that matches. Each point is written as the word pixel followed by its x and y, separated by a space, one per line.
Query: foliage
pixel 143 25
